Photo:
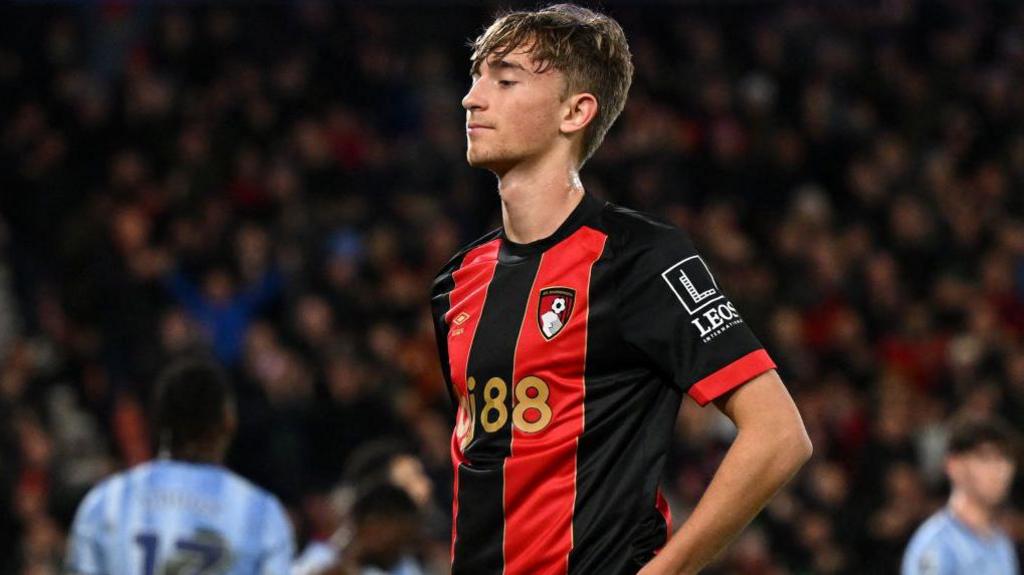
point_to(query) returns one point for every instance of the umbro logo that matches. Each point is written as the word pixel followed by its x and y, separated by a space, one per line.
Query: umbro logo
pixel 457 322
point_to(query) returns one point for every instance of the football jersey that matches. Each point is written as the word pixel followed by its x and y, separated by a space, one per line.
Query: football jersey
pixel 944 545
pixel 567 359
pixel 169 516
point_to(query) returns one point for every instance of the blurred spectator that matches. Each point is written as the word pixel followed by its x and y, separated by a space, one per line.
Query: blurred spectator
pixel 224 311
pixel 966 535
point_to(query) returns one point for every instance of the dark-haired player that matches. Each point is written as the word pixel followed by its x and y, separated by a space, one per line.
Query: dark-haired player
pixel 569 335
pixel 385 529
pixel 184 512
pixel 964 537
pixel 362 510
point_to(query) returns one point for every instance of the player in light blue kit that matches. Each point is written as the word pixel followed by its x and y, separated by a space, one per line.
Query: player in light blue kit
pixel 963 537
pixel 185 512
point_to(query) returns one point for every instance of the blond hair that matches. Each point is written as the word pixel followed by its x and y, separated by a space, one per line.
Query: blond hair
pixel 589 48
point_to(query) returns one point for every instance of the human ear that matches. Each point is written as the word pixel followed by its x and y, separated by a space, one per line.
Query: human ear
pixel 577 112
pixel 953 469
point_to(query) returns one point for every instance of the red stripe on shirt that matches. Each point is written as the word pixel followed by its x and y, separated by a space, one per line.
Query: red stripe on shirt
pixel 662 505
pixel 733 375
pixel 540 474
pixel 467 297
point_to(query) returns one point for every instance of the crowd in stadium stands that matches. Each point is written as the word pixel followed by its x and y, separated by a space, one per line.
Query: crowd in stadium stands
pixel 277 186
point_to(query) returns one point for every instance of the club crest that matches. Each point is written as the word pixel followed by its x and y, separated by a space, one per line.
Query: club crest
pixel 554 310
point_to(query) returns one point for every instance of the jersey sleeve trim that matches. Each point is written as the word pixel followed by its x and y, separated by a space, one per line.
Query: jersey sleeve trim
pixel 731 376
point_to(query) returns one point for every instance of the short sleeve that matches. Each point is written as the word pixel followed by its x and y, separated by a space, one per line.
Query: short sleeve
pixel 931 559
pixel 85 550
pixel 672 308
pixel 278 540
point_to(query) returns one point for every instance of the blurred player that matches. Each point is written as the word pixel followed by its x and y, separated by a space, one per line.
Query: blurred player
pixel 386 529
pixel 185 512
pixel 569 335
pixel 963 537
pixel 361 505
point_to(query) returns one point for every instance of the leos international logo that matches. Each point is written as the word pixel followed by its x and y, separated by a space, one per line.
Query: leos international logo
pixel 554 310
pixel 693 284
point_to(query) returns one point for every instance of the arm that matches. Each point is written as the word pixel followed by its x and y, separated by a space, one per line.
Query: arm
pixel 185 292
pixel 262 291
pixel 771 445
pixel 84 554
pixel 278 541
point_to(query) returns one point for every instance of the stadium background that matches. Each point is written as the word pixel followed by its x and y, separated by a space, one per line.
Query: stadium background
pixel 854 172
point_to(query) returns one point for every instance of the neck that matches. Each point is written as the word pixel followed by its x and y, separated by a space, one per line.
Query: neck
pixel 536 199
pixel 197 454
pixel 978 517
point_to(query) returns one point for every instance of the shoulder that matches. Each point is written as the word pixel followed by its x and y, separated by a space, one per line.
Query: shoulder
pixel 627 224
pixel 642 245
pixel 930 543
pixel 243 486
pixel 100 493
pixel 458 259
pixel 262 502
pixel 277 526
pixel 273 508
pixel 121 484
pixel 106 499
pixel 1005 541
pixel 935 528
pixel 635 233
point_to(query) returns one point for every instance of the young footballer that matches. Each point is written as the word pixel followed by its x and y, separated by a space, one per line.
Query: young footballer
pixel 569 335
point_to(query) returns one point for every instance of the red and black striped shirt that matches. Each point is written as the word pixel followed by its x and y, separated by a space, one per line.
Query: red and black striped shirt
pixel 567 359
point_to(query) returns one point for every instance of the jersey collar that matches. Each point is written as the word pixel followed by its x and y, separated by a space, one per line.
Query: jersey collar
pixel 512 252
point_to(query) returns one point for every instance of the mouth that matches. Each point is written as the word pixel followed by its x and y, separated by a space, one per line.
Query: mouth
pixel 474 128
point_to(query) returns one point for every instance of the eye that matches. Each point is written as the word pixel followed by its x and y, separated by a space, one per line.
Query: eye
pixel 506 83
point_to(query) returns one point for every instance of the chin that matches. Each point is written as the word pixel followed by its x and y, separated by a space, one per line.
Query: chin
pixel 992 500
pixel 478 160
pixel 496 163
pixel 998 499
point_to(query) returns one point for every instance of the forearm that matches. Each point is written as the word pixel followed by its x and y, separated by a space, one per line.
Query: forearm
pixel 757 465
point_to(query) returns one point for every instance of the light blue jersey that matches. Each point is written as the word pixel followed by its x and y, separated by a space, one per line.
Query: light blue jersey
pixel 320 556
pixel 169 517
pixel 944 545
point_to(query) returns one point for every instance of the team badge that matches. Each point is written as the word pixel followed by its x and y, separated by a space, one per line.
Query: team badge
pixel 554 310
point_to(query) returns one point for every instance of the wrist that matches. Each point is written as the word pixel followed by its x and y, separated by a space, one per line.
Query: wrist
pixel 676 557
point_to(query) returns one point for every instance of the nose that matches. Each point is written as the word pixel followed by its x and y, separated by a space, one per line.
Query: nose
pixel 473 100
